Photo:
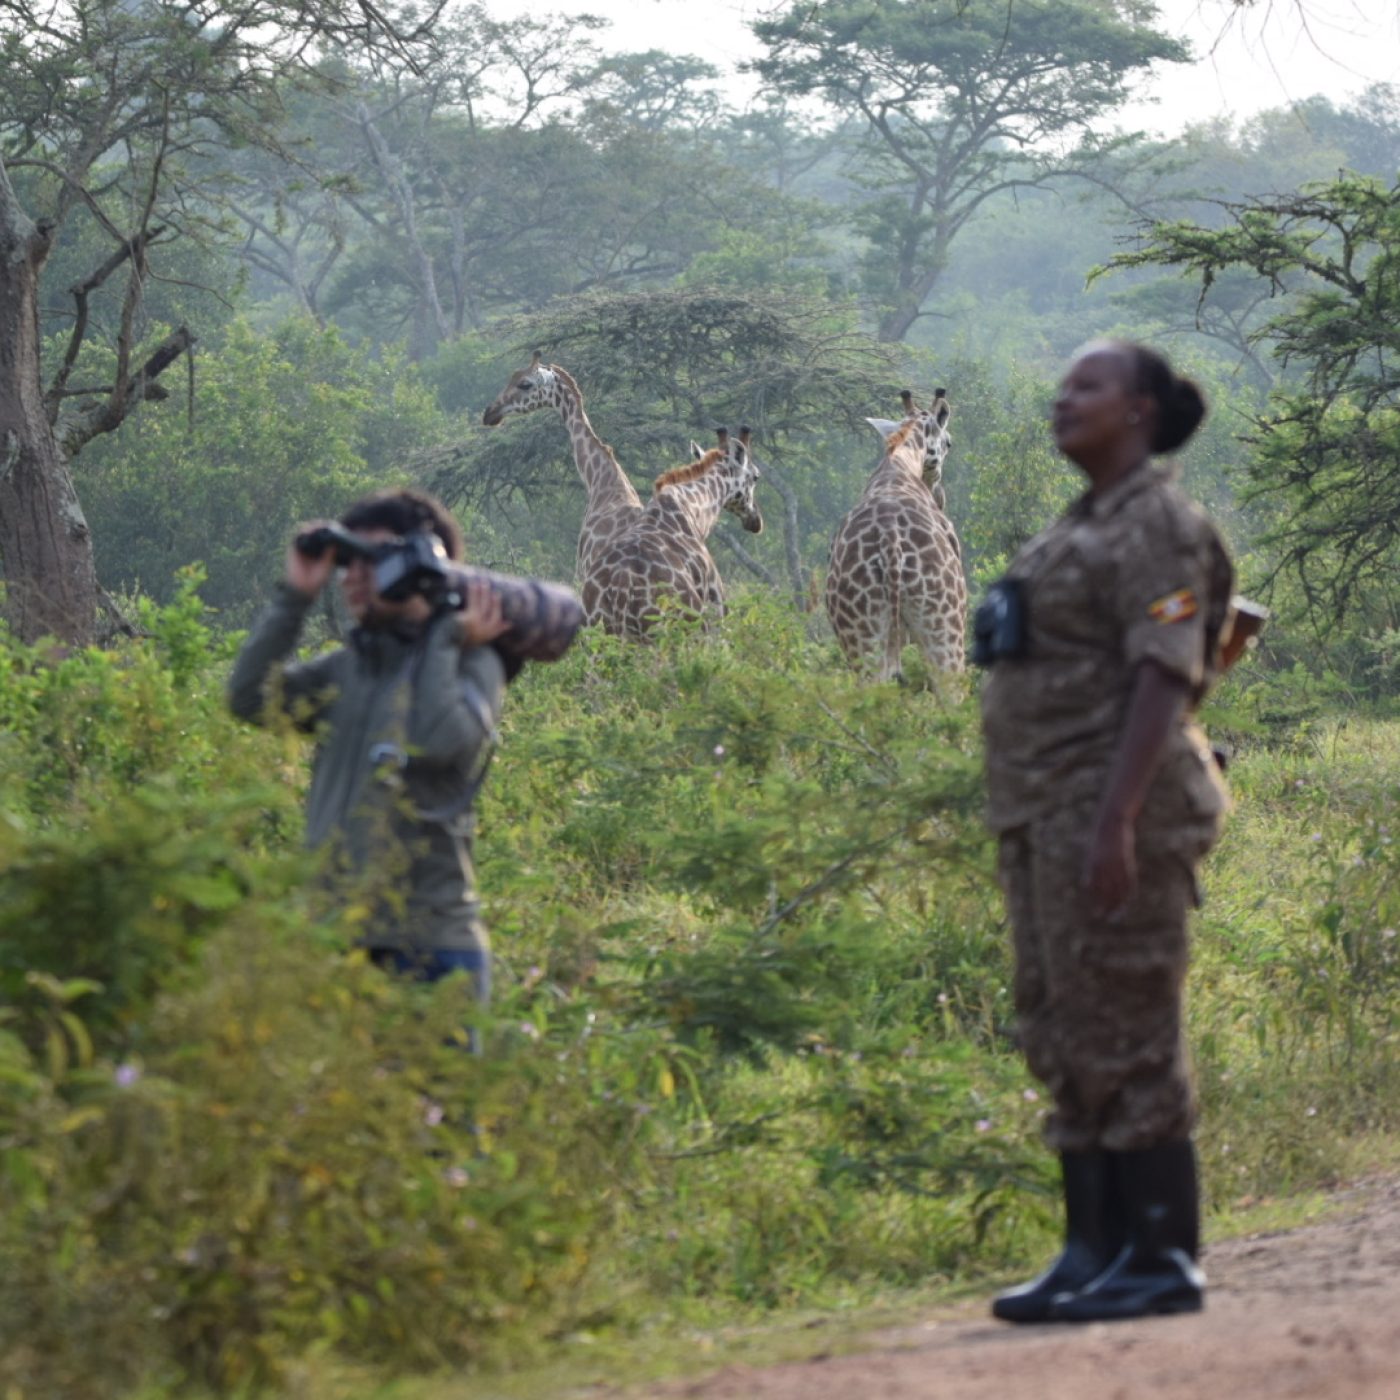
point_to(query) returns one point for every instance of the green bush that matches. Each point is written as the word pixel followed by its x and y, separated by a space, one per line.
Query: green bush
pixel 301 1157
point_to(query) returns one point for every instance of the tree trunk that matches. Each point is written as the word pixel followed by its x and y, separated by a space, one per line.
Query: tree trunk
pixel 45 543
pixel 792 535
pixel 916 284
pixel 896 323
pixel 728 536
pixel 391 168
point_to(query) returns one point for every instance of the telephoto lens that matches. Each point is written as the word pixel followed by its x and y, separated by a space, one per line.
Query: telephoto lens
pixel 543 618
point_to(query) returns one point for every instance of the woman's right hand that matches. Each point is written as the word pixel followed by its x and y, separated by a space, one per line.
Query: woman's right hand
pixel 1110 872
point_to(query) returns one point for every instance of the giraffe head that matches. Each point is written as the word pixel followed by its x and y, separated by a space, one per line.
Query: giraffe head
pixel 734 468
pixel 744 474
pixel 535 386
pixel 933 424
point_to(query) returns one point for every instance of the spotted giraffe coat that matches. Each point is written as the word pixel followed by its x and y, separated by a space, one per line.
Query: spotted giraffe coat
pixel 895 573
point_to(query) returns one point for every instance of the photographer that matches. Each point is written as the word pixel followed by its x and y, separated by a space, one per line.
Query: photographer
pixel 405 715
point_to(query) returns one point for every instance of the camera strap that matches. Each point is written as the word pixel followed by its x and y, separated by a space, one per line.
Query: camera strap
pixel 394 756
pixel 450 813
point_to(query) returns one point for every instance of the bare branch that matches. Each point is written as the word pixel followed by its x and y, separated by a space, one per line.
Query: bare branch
pixel 80 291
pixel 109 416
pixel 135 286
pixel 78 189
pixel 393 176
pixel 727 535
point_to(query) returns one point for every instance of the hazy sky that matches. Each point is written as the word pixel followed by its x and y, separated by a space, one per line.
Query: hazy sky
pixel 1266 55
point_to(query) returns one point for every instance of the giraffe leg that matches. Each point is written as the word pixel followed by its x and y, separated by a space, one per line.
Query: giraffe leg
pixel 851 644
pixel 891 646
pixel 886 636
pixel 940 648
pixel 934 617
pixel 890 606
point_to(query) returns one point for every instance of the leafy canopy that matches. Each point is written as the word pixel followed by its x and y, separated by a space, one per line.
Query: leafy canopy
pixel 1329 441
pixel 656 367
pixel 960 99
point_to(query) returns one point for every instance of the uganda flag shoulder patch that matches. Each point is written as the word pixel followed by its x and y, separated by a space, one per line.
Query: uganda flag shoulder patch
pixel 1175 607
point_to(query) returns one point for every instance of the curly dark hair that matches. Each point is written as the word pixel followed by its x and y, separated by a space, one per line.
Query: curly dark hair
pixel 405 511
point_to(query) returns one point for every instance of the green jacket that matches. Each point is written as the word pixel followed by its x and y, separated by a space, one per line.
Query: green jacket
pixel 405 721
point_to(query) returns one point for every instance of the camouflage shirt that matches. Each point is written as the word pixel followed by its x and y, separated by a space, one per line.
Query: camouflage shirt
pixel 1133 574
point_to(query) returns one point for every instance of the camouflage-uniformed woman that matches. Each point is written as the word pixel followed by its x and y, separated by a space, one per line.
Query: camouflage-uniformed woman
pixel 1101 640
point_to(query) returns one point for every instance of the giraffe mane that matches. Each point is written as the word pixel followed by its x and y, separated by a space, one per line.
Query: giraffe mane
pixel 677 476
pixel 897 438
pixel 571 383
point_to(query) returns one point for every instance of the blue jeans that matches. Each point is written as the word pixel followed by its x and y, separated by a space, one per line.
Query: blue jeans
pixel 433 964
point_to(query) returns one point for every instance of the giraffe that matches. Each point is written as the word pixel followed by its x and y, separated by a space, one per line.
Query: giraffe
pixel 613 503
pixel 895 572
pixel 662 553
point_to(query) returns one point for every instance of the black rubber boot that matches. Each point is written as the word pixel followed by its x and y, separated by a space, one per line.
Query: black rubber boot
pixel 1155 1272
pixel 1091 1241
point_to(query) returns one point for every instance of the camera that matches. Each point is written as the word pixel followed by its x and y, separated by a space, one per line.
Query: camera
pixel 543 618
pixel 999 624
pixel 403 566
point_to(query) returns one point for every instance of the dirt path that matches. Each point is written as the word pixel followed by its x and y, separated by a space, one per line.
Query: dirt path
pixel 1309 1313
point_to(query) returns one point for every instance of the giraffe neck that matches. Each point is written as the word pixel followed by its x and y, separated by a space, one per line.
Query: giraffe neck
pixel 603 479
pixel 700 500
pixel 901 468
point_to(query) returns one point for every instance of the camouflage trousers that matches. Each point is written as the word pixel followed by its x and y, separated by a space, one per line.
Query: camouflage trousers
pixel 1099 1000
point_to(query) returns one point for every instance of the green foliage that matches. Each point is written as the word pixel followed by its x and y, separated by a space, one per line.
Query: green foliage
pixel 123 902
pixel 950 96
pixel 130 810
pixel 1294 1005
pixel 298 1160
pixel 756 259
pixel 656 367
pixel 287 426
pixel 77 730
pixel 1330 437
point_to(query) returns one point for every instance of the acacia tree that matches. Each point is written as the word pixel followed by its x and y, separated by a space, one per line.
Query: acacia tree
pixel 114 112
pixel 960 100
pixel 660 367
pixel 1328 444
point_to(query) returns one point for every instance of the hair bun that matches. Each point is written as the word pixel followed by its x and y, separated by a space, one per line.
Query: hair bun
pixel 1180 413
